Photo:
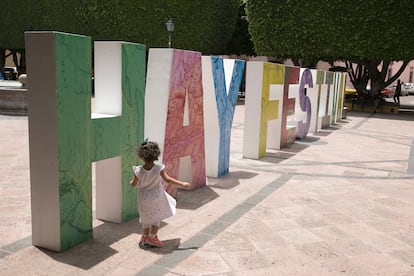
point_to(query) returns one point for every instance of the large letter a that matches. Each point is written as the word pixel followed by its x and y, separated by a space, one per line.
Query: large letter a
pixel 174 113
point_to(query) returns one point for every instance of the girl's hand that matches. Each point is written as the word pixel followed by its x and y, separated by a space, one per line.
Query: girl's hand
pixel 186 185
pixel 168 179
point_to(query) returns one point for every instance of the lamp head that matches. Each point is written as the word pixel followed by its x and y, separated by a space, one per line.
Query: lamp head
pixel 170 26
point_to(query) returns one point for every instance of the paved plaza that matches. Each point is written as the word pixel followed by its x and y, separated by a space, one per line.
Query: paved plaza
pixel 339 202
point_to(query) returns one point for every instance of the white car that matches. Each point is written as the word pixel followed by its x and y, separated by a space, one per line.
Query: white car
pixel 407 88
pixel 10 73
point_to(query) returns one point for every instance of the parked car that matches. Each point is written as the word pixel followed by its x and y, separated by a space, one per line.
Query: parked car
pixel 388 92
pixel 407 88
pixel 10 73
pixel 350 91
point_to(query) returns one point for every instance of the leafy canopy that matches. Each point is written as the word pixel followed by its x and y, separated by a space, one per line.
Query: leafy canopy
pixel 333 30
pixel 204 26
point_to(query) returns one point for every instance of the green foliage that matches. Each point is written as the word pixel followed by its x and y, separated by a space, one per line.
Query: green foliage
pixel 332 29
pixel 15 19
pixel 240 43
pixel 204 26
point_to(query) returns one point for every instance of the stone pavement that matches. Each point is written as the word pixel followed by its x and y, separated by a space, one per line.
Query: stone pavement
pixel 339 202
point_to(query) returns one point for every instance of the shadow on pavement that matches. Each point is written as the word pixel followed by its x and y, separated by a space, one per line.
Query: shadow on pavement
pixel 278 156
pixel 230 180
pixel 97 250
pixel 283 154
pixel 168 248
pixel 90 253
pixel 84 256
pixel 194 199
pixel 403 115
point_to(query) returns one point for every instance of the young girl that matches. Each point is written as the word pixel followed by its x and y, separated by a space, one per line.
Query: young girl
pixel 154 204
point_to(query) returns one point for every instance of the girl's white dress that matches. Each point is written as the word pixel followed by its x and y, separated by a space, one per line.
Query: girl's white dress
pixel 154 203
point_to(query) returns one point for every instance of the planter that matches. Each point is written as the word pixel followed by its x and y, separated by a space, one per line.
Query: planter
pixel 13 101
pixel 370 107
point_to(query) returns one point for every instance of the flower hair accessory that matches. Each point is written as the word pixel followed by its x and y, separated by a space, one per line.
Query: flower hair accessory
pixel 145 141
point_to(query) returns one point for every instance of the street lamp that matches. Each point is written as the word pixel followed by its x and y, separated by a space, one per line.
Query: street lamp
pixel 170 30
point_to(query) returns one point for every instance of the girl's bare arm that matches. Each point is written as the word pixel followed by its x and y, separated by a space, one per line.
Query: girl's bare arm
pixel 168 179
pixel 134 181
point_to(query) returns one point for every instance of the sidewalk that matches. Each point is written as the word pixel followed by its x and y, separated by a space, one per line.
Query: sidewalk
pixel 339 202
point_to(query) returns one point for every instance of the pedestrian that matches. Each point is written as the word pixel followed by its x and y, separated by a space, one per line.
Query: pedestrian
pixel 154 203
pixel 397 92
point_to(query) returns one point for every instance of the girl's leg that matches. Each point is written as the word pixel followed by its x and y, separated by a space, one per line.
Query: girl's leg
pixel 147 228
pixel 154 230
pixel 145 235
pixel 146 231
pixel 153 239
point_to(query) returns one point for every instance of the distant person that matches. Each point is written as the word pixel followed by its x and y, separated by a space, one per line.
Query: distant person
pixel 1 76
pixel 397 92
pixel 154 203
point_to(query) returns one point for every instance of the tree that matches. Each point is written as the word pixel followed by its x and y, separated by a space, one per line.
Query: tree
pixel 241 43
pixel 205 26
pixel 14 20
pixel 365 34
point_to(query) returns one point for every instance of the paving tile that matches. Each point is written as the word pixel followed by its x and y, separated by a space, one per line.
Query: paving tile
pixel 310 221
pixel 406 256
pixel 298 236
pixel 281 224
pixel 373 237
pixel 202 261
pixel 343 266
pixel 339 202
pixel 341 241
pixel 319 251
pixel 374 263
pixel 229 242
pixel 405 235
pixel 268 271
pixel 247 259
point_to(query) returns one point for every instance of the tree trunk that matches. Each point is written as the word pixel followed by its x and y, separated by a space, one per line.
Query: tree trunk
pixel 22 64
pixel 362 73
pixel 380 79
pixel 2 60
pixel 358 74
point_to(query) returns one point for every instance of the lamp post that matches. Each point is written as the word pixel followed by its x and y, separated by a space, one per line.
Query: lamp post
pixel 170 30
